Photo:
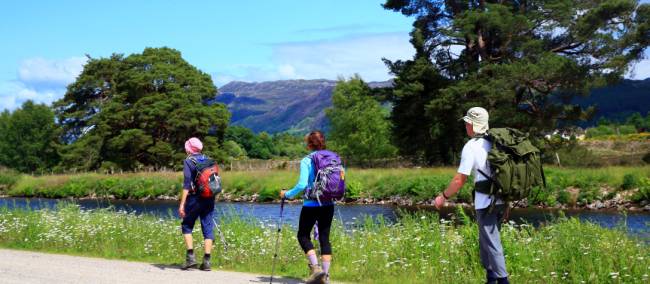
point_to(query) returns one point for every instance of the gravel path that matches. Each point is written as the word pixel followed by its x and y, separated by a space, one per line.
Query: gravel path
pixel 31 267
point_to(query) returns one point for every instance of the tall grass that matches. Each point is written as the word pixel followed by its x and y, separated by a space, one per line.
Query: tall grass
pixel 415 184
pixel 417 249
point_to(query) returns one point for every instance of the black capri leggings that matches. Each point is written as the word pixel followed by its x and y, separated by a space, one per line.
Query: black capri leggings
pixel 308 217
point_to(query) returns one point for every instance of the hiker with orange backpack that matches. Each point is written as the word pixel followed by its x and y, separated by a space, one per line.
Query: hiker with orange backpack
pixel 201 184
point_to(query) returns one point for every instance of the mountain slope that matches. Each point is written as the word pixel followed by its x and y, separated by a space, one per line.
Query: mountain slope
pixel 295 106
pixel 618 101
pixel 298 106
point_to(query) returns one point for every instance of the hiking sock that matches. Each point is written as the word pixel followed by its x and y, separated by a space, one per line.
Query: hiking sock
pixel 503 280
pixel 190 252
pixel 206 257
pixel 312 259
pixel 326 266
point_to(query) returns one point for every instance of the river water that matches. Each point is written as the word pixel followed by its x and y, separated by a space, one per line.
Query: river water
pixel 636 223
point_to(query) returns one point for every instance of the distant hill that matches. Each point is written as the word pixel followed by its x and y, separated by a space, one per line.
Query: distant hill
pixel 295 106
pixel 619 101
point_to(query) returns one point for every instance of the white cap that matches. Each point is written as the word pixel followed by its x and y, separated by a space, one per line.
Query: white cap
pixel 478 117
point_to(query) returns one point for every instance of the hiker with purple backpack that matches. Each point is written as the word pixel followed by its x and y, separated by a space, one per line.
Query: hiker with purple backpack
pixel 322 181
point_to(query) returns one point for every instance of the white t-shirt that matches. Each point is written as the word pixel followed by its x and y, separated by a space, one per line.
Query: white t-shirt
pixel 473 158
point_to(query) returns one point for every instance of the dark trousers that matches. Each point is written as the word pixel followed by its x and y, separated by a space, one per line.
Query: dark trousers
pixel 308 217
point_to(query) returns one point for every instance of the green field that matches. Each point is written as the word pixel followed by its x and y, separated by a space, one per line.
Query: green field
pixel 570 186
pixel 418 249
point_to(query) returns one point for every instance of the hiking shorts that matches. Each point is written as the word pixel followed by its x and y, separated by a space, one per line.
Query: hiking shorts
pixel 196 208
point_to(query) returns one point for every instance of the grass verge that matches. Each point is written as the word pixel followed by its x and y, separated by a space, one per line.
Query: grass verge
pixel 418 248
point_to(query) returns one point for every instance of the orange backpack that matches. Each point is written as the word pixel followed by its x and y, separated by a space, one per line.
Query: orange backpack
pixel 208 182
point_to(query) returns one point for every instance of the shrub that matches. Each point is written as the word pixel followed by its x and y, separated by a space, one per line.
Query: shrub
pixel 268 194
pixel 644 191
pixel 630 181
pixel 353 189
pixel 601 130
pixel 8 178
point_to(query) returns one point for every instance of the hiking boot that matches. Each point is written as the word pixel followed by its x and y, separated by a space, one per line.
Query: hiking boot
pixel 190 262
pixel 205 266
pixel 317 276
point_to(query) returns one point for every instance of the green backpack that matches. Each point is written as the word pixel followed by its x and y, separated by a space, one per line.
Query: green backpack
pixel 516 165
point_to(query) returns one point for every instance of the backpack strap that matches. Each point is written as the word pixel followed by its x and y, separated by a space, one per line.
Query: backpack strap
pixel 195 162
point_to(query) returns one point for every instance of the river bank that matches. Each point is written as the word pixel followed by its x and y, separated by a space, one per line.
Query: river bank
pixel 635 223
pixel 612 188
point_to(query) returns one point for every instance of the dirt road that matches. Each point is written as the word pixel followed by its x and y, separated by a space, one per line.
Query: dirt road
pixel 31 267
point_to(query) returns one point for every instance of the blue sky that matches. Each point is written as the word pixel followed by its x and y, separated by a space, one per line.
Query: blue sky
pixel 45 42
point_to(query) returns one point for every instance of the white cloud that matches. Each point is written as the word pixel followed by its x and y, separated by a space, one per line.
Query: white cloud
pixel 327 59
pixel 286 70
pixel 14 93
pixel 344 57
pixel 48 72
pixel 40 80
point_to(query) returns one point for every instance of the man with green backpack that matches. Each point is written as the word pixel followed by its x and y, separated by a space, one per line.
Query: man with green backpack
pixel 505 166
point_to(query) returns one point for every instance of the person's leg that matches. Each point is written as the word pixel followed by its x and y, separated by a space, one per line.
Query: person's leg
pixel 207 227
pixel 187 225
pixel 490 246
pixel 189 242
pixel 480 219
pixel 324 219
pixel 305 224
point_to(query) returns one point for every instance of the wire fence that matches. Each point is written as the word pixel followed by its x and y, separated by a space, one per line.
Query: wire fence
pixel 240 165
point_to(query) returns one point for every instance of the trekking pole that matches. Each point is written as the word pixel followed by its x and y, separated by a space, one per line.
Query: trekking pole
pixel 341 219
pixel 223 239
pixel 277 240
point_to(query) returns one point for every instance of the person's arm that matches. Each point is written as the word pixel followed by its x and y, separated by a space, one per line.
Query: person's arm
pixel 187 184
pixel 464 170
pixel 454 186
pixel 181 207
pixel 303 180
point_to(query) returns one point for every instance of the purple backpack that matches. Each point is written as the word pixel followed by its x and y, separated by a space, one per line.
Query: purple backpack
pixel 329 182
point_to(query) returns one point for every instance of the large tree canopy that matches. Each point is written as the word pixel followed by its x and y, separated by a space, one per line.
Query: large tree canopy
pixel 29 139
pixel 138 110
pixel 522 60
pixel 360 130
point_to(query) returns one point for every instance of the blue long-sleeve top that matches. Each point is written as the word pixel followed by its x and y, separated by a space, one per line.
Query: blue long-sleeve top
pixel 306 180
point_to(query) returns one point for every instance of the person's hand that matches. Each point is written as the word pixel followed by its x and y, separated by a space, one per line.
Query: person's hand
pixel 282 193
pixel 181 211
pixel 506 214
pixel 440 201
